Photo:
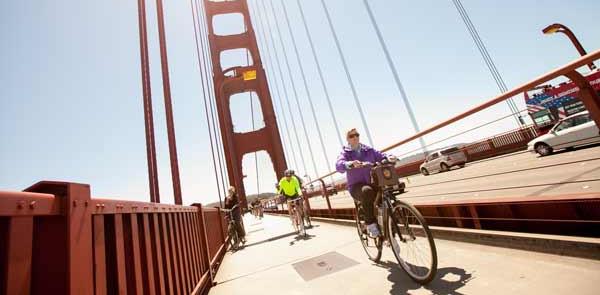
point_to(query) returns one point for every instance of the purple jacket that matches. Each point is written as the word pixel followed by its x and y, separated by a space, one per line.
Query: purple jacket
pixel 358 175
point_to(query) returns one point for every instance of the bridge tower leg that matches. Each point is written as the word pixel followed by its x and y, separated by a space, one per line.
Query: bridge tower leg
pixel 242 79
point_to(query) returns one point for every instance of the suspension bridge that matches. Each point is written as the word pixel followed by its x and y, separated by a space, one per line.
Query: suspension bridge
pixel 505 221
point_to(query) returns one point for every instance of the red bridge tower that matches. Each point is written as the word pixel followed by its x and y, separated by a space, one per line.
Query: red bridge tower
pixel 241 79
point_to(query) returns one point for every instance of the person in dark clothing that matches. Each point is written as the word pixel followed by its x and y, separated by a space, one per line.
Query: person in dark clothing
pixel 230 201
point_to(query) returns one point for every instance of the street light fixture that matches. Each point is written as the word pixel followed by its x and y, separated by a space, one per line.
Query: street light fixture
pixel 560 28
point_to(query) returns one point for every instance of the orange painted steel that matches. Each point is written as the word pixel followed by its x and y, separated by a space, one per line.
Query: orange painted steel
pixel 575 214
pixel 56 239
pixel 241 79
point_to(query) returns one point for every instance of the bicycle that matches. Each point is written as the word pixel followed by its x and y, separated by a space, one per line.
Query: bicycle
pixel 234 239
pixel 298 216
pixel 404 229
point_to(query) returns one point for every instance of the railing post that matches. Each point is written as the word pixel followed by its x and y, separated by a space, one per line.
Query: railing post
pixel 18 266
pixel 204 242
pixel 306 202
pixel 221 225
pixel 326 195
pixel 78 228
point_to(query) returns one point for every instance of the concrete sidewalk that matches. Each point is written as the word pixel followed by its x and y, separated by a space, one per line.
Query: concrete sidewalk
pixel 267 265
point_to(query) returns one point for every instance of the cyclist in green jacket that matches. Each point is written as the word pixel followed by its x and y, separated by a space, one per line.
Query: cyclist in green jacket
pixel 289 187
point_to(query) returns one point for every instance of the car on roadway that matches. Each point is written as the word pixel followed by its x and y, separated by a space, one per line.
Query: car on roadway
pixel 576 130
pixel 443 160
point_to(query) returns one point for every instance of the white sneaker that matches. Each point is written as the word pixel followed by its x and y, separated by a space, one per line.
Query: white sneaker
pixel 373 230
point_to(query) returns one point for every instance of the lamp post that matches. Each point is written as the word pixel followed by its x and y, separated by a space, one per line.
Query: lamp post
pixel 560 28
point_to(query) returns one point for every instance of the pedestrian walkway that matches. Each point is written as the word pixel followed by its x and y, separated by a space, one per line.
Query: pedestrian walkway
pixel 332 261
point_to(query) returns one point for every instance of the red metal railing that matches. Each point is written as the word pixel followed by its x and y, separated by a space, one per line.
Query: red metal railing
pixel 56 239
pixel 581 211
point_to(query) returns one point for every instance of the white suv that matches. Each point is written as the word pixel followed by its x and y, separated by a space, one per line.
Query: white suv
pixel 576 130
pixel 443 160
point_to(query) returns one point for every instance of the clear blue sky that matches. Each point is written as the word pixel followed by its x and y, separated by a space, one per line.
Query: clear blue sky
pixel 70 90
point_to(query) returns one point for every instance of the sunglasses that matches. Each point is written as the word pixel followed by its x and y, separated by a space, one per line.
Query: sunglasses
pixel 353 135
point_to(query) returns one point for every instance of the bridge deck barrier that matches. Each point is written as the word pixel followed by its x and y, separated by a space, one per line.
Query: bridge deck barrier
pixel 56 239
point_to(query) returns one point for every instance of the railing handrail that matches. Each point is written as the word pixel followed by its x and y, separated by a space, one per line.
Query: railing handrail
pixel 582 61
pixel 110 206
pixel 15 203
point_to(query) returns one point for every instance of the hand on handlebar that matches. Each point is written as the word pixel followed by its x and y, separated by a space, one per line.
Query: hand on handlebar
pixel 359 164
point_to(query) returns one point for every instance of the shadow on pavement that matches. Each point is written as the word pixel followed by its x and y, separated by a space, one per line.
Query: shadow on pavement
pixel 270 239
pixel 301 238
pixel 447 280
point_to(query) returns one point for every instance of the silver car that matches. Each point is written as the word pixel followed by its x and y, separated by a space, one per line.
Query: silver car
pixel 443 160
pixel 576 130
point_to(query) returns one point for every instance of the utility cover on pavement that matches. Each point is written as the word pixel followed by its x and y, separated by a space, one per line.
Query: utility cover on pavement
pixel 323 265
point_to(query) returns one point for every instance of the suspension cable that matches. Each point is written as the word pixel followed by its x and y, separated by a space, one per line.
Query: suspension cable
pixel 147 103
pixel 321 78
pixel 347 71
pixel 310 101
pixel 204 90
pixel 164 63
pixel 386 52
pixel 294 90
pixel 277 92
pixel 269 34
pixel 486 57
pixel 253 127
pixel 217 122
pixel 212 111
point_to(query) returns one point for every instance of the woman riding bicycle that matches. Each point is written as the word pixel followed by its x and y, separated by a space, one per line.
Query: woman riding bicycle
pixel 358 178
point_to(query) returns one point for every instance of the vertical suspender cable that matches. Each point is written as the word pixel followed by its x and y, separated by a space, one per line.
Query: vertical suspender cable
pixel 269 36
pixel 253 128
pixel 347 71
pixel 168 104
pixel 322 79
pixel 215 122
pixel 204 90
pixel 487 59
pixel 395 74
pixel 308 96
pixel 300 113
pixel 277 91
pixel 147 97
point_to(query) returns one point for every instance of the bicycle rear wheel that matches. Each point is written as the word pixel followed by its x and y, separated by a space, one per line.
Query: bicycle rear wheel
pixel 412 242
pixel 373 246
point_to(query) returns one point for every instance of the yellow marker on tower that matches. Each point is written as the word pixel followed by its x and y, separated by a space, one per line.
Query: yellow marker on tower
pixel 249 75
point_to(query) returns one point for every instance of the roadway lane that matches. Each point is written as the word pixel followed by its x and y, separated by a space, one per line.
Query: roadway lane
pixel 519 174
pixel 265 267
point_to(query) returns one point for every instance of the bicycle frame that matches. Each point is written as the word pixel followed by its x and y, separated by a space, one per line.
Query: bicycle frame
pixel 298 214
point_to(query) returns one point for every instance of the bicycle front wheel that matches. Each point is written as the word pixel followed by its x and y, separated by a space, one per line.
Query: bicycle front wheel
pixel 412 242
pixel 300 222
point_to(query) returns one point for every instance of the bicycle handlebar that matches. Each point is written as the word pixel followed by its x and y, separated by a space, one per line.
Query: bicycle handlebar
pixel 232 208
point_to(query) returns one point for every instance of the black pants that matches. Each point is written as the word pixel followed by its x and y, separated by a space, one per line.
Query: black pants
pixel 366 195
